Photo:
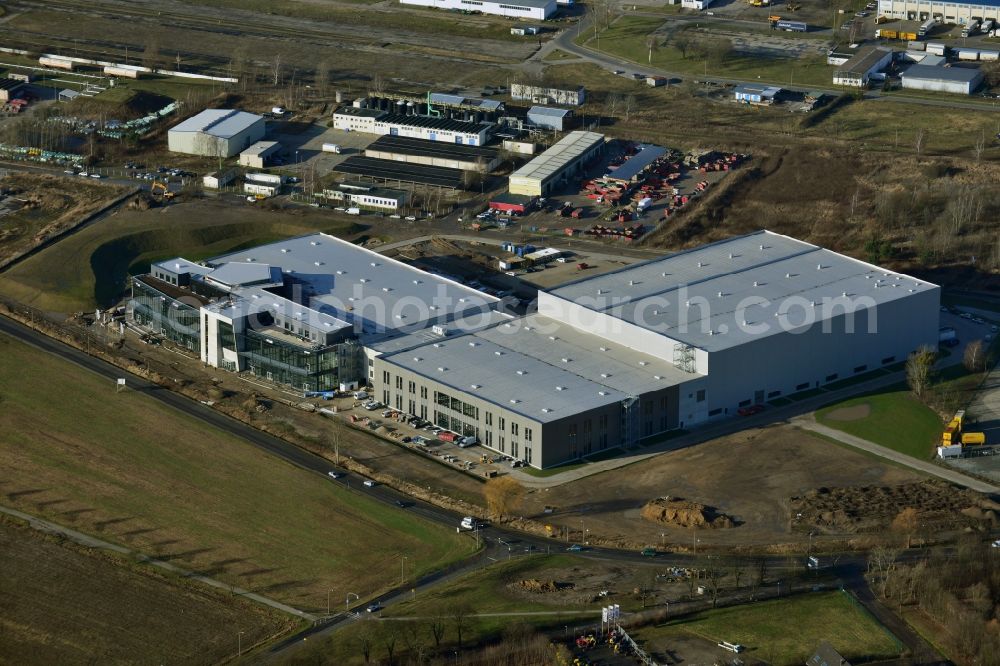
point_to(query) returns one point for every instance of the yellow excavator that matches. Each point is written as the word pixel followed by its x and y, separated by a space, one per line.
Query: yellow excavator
pixel 162 189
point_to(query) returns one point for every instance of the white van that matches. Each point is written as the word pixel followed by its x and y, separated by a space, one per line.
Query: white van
pixel 468 523
pixel 370 483
pixel 361 395
pixel 466 442
pixel 353 211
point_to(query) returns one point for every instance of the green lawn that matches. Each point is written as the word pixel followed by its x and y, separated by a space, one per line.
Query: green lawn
pixel 627 38
pixel 895 420
pixel 90 268
pixel 131 470
pixel 484 591
pixel 785 632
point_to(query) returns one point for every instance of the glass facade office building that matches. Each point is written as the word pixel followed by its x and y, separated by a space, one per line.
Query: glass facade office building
pixel 161 313
pixel 306 367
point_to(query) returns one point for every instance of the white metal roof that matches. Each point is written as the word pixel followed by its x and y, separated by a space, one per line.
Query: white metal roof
pixel 221 123
pixel 261 148
pixel 563 152
pixel 937 73
pixel 234 274
pixel 354 283
pixel 721 295
pixel 253 300
pixel 182 265
pixel 506 377
pixel 549 111
pixel 539 368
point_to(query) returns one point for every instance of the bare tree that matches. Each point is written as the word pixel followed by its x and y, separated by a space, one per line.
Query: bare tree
pixel 980 146
pixel 629 104
pixel 377 86
pixel 389 643
pixel 683 43
pixel 919 139
pixel 974 358
pixel 276 70
pixel 322 78
pixel 611 103
pixel 714 576
pixel 964 210
pixel 460 620
pixel 920 371
pixel 651 43
pixel 437 630
pixel 364 639
pixel 882 567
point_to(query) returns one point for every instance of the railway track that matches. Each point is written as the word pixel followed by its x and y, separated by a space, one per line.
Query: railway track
pixel 320 35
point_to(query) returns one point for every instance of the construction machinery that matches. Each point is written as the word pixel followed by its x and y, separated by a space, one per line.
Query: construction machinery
pixel 161 188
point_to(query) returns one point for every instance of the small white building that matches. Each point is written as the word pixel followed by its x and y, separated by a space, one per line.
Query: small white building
pixel 262 189
pixel 256 156
pixel 956 80
pixel 695 4
pixel 216 133
pixel 538 10
pixel 859 70
pixel 218 179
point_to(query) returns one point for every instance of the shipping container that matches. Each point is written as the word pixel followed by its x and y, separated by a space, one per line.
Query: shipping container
pixel 331 148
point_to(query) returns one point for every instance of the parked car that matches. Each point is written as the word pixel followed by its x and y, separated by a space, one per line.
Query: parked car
pixel 750 411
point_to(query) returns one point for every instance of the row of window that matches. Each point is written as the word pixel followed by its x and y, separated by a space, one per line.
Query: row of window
pixel 805 385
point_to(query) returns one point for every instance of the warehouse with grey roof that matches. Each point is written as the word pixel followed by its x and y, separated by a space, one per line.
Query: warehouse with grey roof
pixel 610 360
pixel 216 133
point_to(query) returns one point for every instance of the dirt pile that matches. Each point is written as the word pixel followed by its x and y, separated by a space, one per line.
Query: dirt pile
pixel 536 586
pixel 874 508
pixel 677 512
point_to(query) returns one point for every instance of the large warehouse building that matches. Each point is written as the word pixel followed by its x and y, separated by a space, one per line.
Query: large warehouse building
pixel 216 133
pixel 605 362
pixel 376 121
pixel 554 168
pixel 533 9
pixel 948 12
pixel 666 344
pixel 957 80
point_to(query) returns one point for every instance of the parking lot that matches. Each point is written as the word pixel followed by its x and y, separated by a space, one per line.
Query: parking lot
pixel 302 146
pixel 418 435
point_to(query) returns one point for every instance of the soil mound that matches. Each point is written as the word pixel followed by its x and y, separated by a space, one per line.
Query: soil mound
pixel 678 512
pixel 541 586
pixel 873 508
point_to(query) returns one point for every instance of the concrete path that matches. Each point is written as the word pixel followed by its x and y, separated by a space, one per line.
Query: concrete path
pixel 93 542
pixel 808 422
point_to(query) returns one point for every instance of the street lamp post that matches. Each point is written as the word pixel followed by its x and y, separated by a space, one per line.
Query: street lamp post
pixel 402 562
pixel 347 601
pixel 239 643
